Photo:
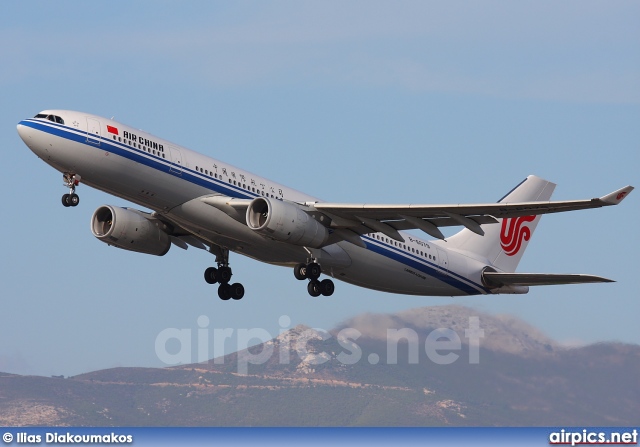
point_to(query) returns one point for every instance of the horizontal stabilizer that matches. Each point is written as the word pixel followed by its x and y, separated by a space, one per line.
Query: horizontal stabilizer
pixel 538 279
pixel 616 196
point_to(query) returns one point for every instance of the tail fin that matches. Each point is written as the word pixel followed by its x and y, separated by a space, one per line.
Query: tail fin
pixel 504 243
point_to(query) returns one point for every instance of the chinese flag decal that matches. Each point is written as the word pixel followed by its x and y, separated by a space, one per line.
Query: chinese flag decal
pixel 113 130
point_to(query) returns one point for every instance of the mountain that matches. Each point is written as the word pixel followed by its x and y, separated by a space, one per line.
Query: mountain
pixel 415 368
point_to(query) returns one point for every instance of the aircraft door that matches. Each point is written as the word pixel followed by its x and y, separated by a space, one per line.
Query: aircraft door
pixel 443 260
pixel 93 131
pixel 176 160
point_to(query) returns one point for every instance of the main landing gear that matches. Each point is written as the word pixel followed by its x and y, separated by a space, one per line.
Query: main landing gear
pixel 312 272
pixel 222 275
pixel 71 181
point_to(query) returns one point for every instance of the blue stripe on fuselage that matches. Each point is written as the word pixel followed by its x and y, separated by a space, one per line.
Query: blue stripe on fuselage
pixel 424 266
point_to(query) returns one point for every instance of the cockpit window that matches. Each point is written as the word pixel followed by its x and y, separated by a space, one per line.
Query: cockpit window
pixel 54 118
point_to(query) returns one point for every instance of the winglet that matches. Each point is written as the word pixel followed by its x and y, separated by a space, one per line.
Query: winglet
pixel 616 196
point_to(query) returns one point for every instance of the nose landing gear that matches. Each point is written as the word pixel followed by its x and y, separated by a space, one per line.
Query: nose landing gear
pixel 71 181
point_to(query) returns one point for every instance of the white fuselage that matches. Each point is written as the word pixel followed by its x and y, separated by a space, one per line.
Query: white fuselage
pixel 170 179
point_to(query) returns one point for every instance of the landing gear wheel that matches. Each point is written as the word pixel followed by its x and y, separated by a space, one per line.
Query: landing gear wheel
pixel 236 291
pixel 314 288
pixel 73 199
pixel 300 272
pixel 327 287
pixel 71 181
pixel 313 270
pixel 224 292
pixel 211 275
pixel 224 275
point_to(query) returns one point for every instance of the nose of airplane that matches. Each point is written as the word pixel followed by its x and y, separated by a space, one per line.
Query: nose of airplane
pixel 27 135
pixel 24 132
pixel 21 130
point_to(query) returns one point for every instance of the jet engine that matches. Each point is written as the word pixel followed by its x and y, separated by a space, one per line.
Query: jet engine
pixel 286 222
pixel 130 230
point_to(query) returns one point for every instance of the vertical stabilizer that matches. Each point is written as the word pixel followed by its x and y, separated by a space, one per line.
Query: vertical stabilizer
pixel 504 243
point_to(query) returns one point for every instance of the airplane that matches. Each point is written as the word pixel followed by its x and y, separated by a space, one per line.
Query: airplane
pixel 199 201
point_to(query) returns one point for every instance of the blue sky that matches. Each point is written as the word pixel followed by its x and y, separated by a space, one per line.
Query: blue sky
pixel 379 102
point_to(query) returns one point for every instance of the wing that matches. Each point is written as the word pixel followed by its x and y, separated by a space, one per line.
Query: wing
pixel 538 279
pixel 388 219
pixel 349 221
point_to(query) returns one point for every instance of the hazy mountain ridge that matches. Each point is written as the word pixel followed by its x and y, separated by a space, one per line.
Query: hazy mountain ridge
pixel 522 378
pixel 501 332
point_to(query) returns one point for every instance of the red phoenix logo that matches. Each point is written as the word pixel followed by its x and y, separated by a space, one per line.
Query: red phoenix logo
pixel 621 195
pixel 513 232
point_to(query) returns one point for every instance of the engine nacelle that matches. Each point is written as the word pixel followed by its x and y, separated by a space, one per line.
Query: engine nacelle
pixel 129 230
pixel 286 222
